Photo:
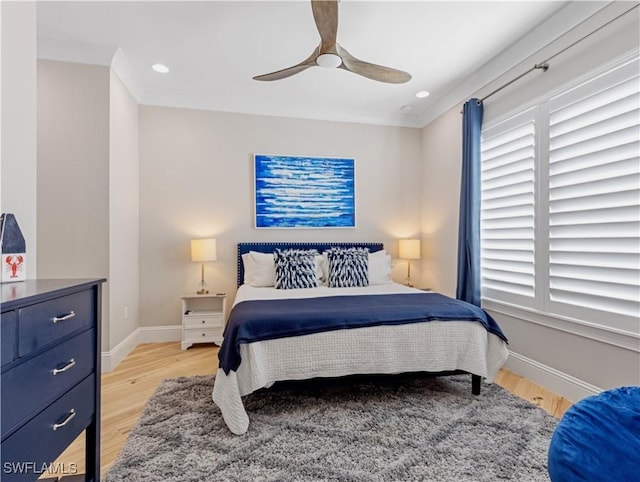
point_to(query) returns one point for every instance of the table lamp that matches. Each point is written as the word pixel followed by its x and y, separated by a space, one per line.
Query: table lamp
pixel 409 249
pixel 202 251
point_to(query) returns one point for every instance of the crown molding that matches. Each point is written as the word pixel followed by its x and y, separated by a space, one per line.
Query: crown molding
pixel 76 52
pixel 121 66
pixel 93 54
pixel 514 60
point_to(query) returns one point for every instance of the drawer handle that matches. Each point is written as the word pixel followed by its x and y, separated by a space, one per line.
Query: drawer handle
pixel 69 315
pixel 203 322
pixel 69 364
pixel 66 420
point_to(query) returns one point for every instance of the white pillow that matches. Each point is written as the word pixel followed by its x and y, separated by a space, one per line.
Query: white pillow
pixel 259 269
pixel 379 268
pixel 249 268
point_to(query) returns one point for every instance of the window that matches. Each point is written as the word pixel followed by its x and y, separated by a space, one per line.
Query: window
pixel 560 217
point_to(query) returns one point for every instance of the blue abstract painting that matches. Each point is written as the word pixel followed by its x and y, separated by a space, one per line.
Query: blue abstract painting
pixel 304 192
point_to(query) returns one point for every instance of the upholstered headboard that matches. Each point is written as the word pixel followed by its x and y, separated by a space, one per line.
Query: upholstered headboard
pixel 271 247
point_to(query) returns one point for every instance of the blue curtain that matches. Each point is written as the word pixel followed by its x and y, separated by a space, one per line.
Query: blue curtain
pixel 468 288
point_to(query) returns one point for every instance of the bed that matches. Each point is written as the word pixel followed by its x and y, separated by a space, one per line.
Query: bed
pixel 375 327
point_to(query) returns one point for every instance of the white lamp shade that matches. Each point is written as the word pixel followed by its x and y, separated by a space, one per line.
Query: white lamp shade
pixel 409 248
pixel 203 250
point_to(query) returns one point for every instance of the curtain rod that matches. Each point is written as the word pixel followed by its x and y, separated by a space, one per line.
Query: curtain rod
pixel 544 65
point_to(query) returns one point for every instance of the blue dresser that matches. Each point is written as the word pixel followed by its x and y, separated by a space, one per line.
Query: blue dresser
pixel 50 382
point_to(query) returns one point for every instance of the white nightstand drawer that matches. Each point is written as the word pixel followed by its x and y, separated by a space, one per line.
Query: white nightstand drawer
pixel 203 321
pixel 204 335
pixel 203 318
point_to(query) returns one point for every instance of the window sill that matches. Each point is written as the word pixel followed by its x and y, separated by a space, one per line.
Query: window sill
pixel 604 334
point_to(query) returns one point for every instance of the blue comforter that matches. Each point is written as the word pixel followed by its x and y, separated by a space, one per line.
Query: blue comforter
pixel 260 320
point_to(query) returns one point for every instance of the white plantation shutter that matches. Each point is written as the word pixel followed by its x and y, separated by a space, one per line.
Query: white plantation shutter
pixel 508 207
pixel 594 194
pixel 560 222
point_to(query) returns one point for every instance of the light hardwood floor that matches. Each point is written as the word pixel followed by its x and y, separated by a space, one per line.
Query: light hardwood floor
pixel 125 392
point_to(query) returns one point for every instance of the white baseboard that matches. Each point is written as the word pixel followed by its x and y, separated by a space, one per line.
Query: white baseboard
pixel 160 334
pixel 111 358
pixel 144 334
pixel 569 387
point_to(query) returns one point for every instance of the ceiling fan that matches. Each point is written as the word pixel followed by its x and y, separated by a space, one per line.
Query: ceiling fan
pixel 331 54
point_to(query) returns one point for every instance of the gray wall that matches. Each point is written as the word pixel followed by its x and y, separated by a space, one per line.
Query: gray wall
pixel 18 120
pixel 123 211
pixel 441 152
pixel 88 186
pixel 73 174
pixel 196 181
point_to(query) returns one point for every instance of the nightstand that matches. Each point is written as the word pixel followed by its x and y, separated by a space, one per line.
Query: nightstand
pixel 203 319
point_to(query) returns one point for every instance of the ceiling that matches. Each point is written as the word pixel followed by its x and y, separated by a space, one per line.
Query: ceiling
pixel 215 48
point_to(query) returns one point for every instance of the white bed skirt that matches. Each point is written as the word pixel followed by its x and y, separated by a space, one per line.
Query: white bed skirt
pixel 433 346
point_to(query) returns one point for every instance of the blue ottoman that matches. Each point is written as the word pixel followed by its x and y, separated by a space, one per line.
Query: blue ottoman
pixel 598 439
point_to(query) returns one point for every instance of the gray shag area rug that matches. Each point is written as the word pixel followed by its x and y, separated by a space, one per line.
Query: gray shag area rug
pixel 372 429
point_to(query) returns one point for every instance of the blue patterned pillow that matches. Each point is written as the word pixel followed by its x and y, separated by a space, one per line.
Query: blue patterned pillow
pixel 348 267
pixel 295 268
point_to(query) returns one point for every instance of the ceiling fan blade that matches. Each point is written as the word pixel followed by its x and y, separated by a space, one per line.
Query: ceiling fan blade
pixel 371 71
pixel 325 13
pixel 284 73
pixel 289 71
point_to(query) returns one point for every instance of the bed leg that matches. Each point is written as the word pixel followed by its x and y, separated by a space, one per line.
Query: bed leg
pixel 476 380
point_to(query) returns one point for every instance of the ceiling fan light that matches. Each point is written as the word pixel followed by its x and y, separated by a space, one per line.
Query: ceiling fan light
pixel 329 61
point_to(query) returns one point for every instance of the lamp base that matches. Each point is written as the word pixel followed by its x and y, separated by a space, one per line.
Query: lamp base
pixel 202 288
pixel 407 280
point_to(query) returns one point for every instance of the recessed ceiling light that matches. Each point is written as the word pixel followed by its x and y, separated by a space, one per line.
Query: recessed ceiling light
pixel 422 94
pixel 161 68
pixel 406 108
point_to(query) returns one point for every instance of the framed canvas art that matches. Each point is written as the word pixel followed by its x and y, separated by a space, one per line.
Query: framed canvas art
pixel 304 192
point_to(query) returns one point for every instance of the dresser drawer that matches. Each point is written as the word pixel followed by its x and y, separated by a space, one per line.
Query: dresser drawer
pixel 45 322
pixel 31 386
pixel 37 442
pixel 204 321
pixel 8 336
